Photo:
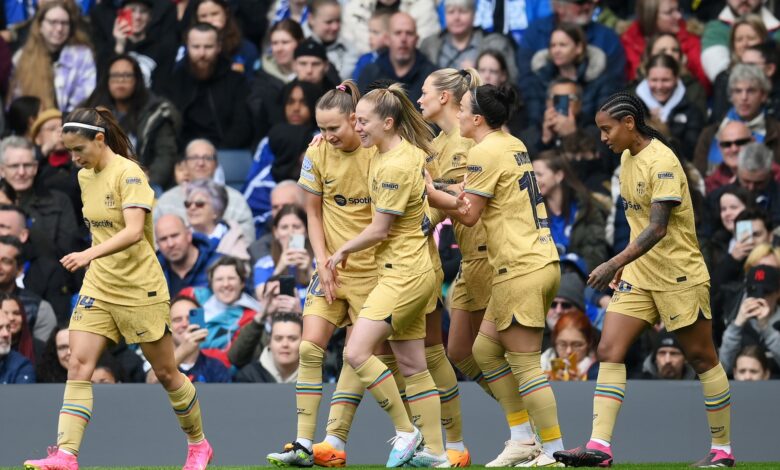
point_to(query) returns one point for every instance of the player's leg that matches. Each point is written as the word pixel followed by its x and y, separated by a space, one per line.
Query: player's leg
pixel 700 352
pixel 464 327
pixel 76 412
pixel 183 398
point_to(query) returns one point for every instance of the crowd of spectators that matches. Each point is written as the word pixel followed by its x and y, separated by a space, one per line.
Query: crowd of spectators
pixel 193 81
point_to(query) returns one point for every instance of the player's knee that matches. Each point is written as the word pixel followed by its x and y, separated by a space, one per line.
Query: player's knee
pixel 166 376
pixel 608 352
pixel 457 352
pixel 311 355
pixel 80 368
pixel 354 356
pixel 702 360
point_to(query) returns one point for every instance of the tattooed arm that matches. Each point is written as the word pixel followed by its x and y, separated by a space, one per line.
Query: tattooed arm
pixel 608 273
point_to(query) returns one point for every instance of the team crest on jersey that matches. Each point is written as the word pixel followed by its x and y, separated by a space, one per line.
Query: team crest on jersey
pixel 457 159
pixel 640 188
pixel 522 158
pixel 109 201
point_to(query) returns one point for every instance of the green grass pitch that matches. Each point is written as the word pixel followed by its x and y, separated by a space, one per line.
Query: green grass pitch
pixel 627 466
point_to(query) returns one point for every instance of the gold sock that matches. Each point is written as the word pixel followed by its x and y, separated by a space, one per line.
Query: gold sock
pixel 489 355
pixel 75 414
pixel 187 408
pixel 378 380
pixel 447 383
pixel 470 368
pixel 344 403
pixel 607 399
pixel 308 388
pixel 537 394
pixel 400 381
pixel 426 409
pixel 717 400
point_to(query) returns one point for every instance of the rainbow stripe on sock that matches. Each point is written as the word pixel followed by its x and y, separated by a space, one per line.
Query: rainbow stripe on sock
pixel 449 395
pixel 423 395
pixel 187 409
pixel 611 392
pixel 308 389
pixel 403 395
pixel 718 402
pixel 346 398
pixel 382 377
pixel 533 385
pixel 78 411
pixel 498 374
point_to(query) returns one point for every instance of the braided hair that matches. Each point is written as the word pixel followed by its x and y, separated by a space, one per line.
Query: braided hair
pixel 622 104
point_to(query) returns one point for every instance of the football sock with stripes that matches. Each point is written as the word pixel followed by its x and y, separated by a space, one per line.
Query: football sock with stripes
pixel 607 400
pixel 538 397
pixel 308 389
pixel 390 362
pixel 187 408
pixel 489 355
pixel 378 380
pixel 75 414
pixel 424 402
pixel 470 368
pixel 717 400
pixel 343 404
pixel 447 383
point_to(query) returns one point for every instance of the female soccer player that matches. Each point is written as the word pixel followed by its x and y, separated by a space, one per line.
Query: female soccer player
pixel 124 294
pixel 338 205
pixel 395 308
pixel 660 275
pixel 502 189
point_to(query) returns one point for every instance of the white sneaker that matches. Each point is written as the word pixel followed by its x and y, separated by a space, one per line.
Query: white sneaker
pixel 541 460
pixel 516 452
pixel 424 458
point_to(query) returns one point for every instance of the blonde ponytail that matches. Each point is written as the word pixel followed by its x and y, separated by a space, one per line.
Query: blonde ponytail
pixel 394 103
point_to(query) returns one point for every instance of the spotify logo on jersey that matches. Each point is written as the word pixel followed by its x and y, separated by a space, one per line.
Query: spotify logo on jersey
pixel 340 200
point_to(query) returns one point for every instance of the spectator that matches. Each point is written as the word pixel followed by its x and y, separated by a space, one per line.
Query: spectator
pixel 751 364
pixel 459 45
pixel 41 274
pixel 226 307
pixel 378 40
pixel 659 17
pixel 253 337
pixel 732 138
pixel 357 13
pixel 569 56
pixel 569 299
pixel 242 54
pixel 667 361
pixel 767 57
pixel 21 116
pixel 402 62
pixel 663 92
pixel 296 10
pixel 200 161
pixel 715 39
pixel 576 221
pixel 731 267
pixel 747 31
pixel 731 201
pixel 17 32
pixel 668 44
pixel 7 193
pixel 210 96
pixel 151 122
pixel 184 256
pixel 758 309
pixel 56 63
pixel 312 64
pixel 53 366
pixel 493 69
pixel 22 340
pixel 205 203
pixel 282 194
pixel 324 26
pixel 749 90
pixel 108 371
pixel 572 356
pixel 187 338
pixel 40 314
pixel 153 50
pixel 53 230
pixel 279 361
pixel 537 37
pixel 284 37
pixel 14 367
pixel 289 225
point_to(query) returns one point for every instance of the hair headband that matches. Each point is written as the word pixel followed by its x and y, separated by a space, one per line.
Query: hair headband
pixel 84 126
pixel 341 88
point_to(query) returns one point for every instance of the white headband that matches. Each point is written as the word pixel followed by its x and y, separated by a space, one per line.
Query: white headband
pixel 85 126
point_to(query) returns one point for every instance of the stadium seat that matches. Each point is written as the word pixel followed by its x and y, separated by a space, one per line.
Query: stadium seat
pixel 235 163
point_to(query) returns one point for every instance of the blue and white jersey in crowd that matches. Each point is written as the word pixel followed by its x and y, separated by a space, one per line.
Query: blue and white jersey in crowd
pixel 518 14
pixel 258 186
pixel 283 12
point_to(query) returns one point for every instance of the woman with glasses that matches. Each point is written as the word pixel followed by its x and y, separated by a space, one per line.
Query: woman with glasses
pixel 56 63
pixel 572 355
pixel 151 122
pixel 205 202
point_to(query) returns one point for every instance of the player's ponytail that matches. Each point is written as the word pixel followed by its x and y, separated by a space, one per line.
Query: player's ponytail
pixel 344 98
pixel 89 122
pixel 392 102
pixel 456 82
pixel 493 103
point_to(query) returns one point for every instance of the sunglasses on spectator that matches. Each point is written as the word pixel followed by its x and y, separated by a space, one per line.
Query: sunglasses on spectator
pixel 198 204
pixel 724 144
pixel 562 303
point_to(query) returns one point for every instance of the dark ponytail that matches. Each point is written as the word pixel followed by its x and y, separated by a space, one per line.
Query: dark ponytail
pixel 495 104
pixel 100 117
